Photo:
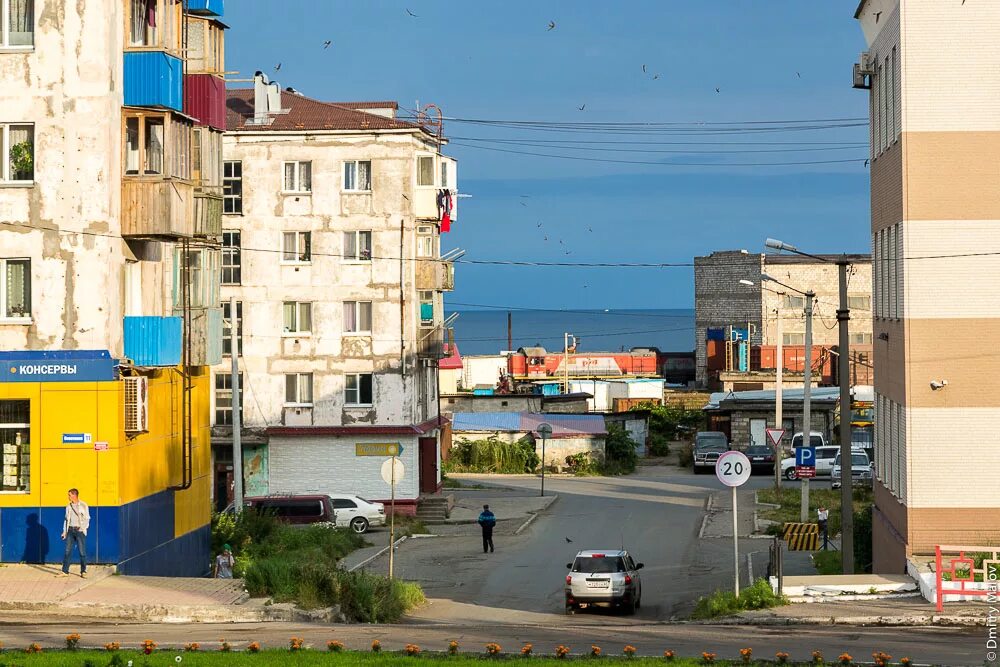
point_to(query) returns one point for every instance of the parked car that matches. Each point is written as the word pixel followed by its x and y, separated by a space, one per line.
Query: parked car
pixel 824 461
pixel 294 509
pixel 816 439
pixel 862 471
pixel 603 578
pixel 708 445
pixel 761 458
pixel 356 513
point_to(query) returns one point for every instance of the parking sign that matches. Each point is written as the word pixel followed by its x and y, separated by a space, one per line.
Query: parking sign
pixel 805 456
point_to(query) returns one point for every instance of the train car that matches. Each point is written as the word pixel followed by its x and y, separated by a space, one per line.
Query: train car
pixel 534 363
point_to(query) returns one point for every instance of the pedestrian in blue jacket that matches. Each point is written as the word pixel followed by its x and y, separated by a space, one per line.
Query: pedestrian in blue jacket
pixel 487 520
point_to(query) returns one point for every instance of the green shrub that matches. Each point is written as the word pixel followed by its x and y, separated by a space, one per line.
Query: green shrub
pixel 657 444
pixel 685 457
pixel 670 421
pixel 759 595
pixel 491 455
pixel 619 452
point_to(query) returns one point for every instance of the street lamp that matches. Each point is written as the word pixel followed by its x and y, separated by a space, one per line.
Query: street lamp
pixel 844 371
pixel 545 430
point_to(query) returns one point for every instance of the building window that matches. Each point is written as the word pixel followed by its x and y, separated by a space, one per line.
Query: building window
pixel 358 317
pixel 18 23
pixel 859 302
pixel 232 268
pixel 358 176
pixel 358 246
pixel 224 399
pixel 426 308
pixel 204 277
pixel 15 448
pixel 793 339
pixel 154 23
pixel 299 389
pixel 17 142
pixel 232 187
pixel 793 302
pixel 425 170
pixel 444 175
pixel 861 339
pixel 296 247
pixel 297 317
pixel 15 289
pixel 425 241
pixel 227 327
pixel 157 145
pixel 358 389
pixel 298 176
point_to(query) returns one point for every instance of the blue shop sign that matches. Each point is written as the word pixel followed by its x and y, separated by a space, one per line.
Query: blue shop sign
pixel 57 366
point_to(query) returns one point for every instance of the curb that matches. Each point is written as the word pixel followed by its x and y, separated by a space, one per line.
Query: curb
pixel 535 515
pixel 377 554
pixel 175 614
pixel 886 621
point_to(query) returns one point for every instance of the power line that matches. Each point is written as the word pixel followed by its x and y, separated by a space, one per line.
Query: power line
pixel 544 144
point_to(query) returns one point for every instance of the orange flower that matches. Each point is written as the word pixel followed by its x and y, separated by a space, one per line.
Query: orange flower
pixel 411 649
pixel 707 658
pixel 452 648
pixel 295 644
pixel 905 662
pixel 595 650
pixel 845 659
pixel 110 646
pixel 334 646
pixel 562 651
pixel 881 658
pixel 253 647
pixel 817 658
pixel 72 641
pixel 376 646
pixel 493 649
pixel 526 650
pixel 629 651
pixel 192 647
pixel 148 646
pixel 669 655
pixel 33 648
pixel 782 657
pixel 746 654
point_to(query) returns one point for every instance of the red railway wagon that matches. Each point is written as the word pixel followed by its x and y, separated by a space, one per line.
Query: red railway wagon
pixel 534 363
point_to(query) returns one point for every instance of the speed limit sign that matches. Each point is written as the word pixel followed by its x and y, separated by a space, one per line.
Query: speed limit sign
pixel 733 468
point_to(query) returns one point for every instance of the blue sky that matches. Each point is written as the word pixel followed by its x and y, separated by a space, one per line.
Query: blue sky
pixel 771 61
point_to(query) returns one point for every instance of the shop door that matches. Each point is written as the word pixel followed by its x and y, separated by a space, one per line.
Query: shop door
pixel 428 465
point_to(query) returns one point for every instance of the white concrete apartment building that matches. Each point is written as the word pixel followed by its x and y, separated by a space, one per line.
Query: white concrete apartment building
pixel 332 251
pixel 932 72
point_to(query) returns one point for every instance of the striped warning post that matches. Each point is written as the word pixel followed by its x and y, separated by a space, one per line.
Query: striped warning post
pixel 801 536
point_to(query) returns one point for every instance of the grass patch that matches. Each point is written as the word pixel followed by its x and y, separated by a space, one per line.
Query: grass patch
pixel 408 525
pixel 725 603
pixel 790 499
pixel 492 455
pixel 827 562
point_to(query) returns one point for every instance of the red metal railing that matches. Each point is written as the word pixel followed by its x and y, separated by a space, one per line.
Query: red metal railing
pixel 963 571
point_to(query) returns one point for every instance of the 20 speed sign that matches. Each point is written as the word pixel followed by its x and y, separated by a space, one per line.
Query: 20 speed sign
pixel 733 468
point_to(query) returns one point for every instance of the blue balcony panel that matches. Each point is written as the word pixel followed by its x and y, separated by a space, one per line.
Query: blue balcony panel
pixel 153 341
pixel 154 79
pixel 206 7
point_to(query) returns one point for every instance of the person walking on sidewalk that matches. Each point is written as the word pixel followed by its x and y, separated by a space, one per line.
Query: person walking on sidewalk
pixel 75 526
pixel 224 563
pixel 487 520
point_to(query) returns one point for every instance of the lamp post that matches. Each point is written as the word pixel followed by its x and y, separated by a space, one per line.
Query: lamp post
pixel 843 371
pixel 545 430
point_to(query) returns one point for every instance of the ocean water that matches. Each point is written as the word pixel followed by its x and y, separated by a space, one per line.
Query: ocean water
pixel 485 331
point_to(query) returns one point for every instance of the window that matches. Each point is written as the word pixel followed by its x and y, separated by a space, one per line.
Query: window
pixel 153 23
pixel 426 308
pixel 203 266
pixel 232 269
pixel 157 145
pixel 425 170
pixel 444 174
pixel 299 389
pixel 297 317
pixel 227 327
pixel 296 247
pixel 358 317
pixel 425 241
pixel 15 289
pixel 298 176
pixel 793 339
pixel 861 339
pixel 358 389
pixel 358 246
pixel 232 187
pixel 859 302
pixel 358 176
pixel 206 151
pixel 15 448
pixel 344 504
pixel 224 399
pixel 18 23
pixel 17 142
pixel 788 301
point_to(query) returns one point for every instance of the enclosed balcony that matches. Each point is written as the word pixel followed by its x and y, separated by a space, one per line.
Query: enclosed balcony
pixel 206 7
pixel 157 209
pixel 430 343
pixel 205 100
pixel 154 79
pixel 437 275
pixel 207 215
pixel 206 336
pixel 153 341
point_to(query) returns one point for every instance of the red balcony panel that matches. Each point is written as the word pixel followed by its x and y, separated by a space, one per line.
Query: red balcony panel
pixel 205 100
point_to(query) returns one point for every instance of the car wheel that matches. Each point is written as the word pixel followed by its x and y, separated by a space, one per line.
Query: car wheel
pixel 629 607
pixel 359 524
pixel 790 474
pixel 570 610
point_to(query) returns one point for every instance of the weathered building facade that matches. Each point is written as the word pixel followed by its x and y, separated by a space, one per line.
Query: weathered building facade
pixel 106 285
pixel 332 251
pixel 931 71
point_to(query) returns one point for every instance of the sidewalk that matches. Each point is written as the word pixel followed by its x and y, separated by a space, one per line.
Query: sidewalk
pixel 897 611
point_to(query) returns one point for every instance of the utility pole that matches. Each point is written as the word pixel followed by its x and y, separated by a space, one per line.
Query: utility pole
pixel 566 361
pixel 847 479
pixel 234 353
pixel 780 367
pixel 510 332
pixel 806 401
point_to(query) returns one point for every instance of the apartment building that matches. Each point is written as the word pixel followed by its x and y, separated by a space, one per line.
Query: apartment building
pixel 737 325
pixel 107 288
pixel 934 100
pixel 332 233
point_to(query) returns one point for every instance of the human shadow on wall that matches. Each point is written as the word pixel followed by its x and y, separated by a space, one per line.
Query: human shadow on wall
pixel 36 541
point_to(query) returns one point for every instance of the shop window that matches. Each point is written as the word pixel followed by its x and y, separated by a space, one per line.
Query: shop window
pixel 358 389
pixel 15 447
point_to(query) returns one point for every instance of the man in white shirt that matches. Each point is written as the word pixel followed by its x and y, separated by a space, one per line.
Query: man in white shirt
pixel 822 516
pixel 74 531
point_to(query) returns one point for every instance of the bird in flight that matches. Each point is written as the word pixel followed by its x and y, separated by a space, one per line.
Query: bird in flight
pixel 717 90
pixel 590 229
pixel 582 108
pixel 552 25
pixel 277 68
pixel 568 252
pixel 798 75
pixel 546 237
pixel 866 162
pixel 522 203
pixel 539 225
pixel 560 241
pixel 327 44
pixel 412 14
pixel 655 77
pixel 568 540
pixel 643 69
pixel 877 15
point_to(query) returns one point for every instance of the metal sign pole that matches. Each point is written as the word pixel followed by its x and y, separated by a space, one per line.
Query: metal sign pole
pixel 736 548
pixel 392 515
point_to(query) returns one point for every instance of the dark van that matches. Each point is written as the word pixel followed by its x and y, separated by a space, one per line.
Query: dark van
pixel 295 509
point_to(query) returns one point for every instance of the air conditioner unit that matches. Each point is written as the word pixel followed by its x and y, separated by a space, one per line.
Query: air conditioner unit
pixel 136 404
pixel 866 63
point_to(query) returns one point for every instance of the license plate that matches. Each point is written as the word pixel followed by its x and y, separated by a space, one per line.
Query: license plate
pixel 757 458
pixel 598 584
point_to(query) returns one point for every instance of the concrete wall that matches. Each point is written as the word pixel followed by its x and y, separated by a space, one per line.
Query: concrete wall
pixel 505 403
pixel 481 369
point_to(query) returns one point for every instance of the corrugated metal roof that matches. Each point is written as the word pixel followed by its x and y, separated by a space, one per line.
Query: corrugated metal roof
pixel 305 113
pixel 819 394
pixel 485 421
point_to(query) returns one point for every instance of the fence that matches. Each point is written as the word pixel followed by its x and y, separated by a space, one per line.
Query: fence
pixel 963 572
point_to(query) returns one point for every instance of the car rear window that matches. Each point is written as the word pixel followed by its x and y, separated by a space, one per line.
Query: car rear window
pixel 292 508
pixel 599 565
pixel 759 450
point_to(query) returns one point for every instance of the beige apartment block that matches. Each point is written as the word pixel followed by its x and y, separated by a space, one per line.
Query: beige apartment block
pixel 931 71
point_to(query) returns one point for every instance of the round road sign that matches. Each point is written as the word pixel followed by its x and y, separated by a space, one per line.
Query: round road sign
pixel 733 468
pixel 387 470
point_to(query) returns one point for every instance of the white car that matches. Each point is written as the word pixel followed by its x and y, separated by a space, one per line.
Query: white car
pixel 357 513
pixel 824 462
pixel 862 471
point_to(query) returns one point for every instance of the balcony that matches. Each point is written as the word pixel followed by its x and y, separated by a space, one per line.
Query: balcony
pixel 154 79
pixel 207 215
pixel 206 7
pixel 205 100
pixel 430 344
pixel 206 335
pixel 435 275
pixel 157 208
pixel 154 341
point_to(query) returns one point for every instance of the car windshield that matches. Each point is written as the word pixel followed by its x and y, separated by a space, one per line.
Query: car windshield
pixel 816 440
pixel 857 459
pixel 759 450
pixel 711 445
pixel 599 564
